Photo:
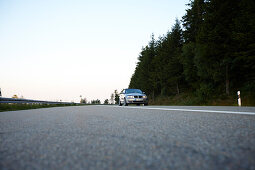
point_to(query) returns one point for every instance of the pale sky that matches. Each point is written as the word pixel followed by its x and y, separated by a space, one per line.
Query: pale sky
pixel 60 49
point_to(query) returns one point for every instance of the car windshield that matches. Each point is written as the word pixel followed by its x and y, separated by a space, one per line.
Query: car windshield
pixel 133 91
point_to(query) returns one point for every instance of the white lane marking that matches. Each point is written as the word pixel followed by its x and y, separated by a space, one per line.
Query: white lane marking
pixel 187 110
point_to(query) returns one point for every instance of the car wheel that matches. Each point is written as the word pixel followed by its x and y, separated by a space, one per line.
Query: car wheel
pixel 125 102
pixel 137 104
pixel 120 104
pixel 145 104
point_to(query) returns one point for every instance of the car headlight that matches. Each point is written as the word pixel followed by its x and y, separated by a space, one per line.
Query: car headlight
pixel 130 97
pixel 144 97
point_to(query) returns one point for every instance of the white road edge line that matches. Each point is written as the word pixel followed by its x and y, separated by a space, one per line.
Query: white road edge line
pixel 186 110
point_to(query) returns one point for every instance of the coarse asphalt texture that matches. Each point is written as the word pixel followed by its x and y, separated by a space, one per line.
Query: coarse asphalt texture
pixel 137 137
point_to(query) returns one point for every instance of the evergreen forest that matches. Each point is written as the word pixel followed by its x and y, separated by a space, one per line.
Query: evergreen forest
pixel 207 56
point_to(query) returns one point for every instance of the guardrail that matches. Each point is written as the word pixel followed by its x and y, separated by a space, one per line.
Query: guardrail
pixel 30 101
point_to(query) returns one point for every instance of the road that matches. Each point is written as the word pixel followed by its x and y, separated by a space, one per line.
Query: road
pixel 113 137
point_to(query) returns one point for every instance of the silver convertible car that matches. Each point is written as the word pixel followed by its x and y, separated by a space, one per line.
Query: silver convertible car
pixel 132 96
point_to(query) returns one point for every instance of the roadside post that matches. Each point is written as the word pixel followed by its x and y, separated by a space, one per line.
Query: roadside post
pixel 238 98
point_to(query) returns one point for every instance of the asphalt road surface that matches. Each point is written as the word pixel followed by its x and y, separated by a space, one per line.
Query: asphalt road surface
pixel 113 137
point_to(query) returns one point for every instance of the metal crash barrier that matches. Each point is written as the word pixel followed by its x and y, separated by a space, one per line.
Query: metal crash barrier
pixel 29 101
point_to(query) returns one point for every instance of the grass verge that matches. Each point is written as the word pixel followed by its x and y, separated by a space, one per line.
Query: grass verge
pixel 13 106
pixel 187 99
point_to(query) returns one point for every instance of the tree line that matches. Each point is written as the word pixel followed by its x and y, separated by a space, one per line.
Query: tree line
pixel 114 99
pixel 210 52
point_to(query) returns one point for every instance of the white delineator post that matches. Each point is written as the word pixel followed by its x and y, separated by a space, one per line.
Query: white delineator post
pixel 238 98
